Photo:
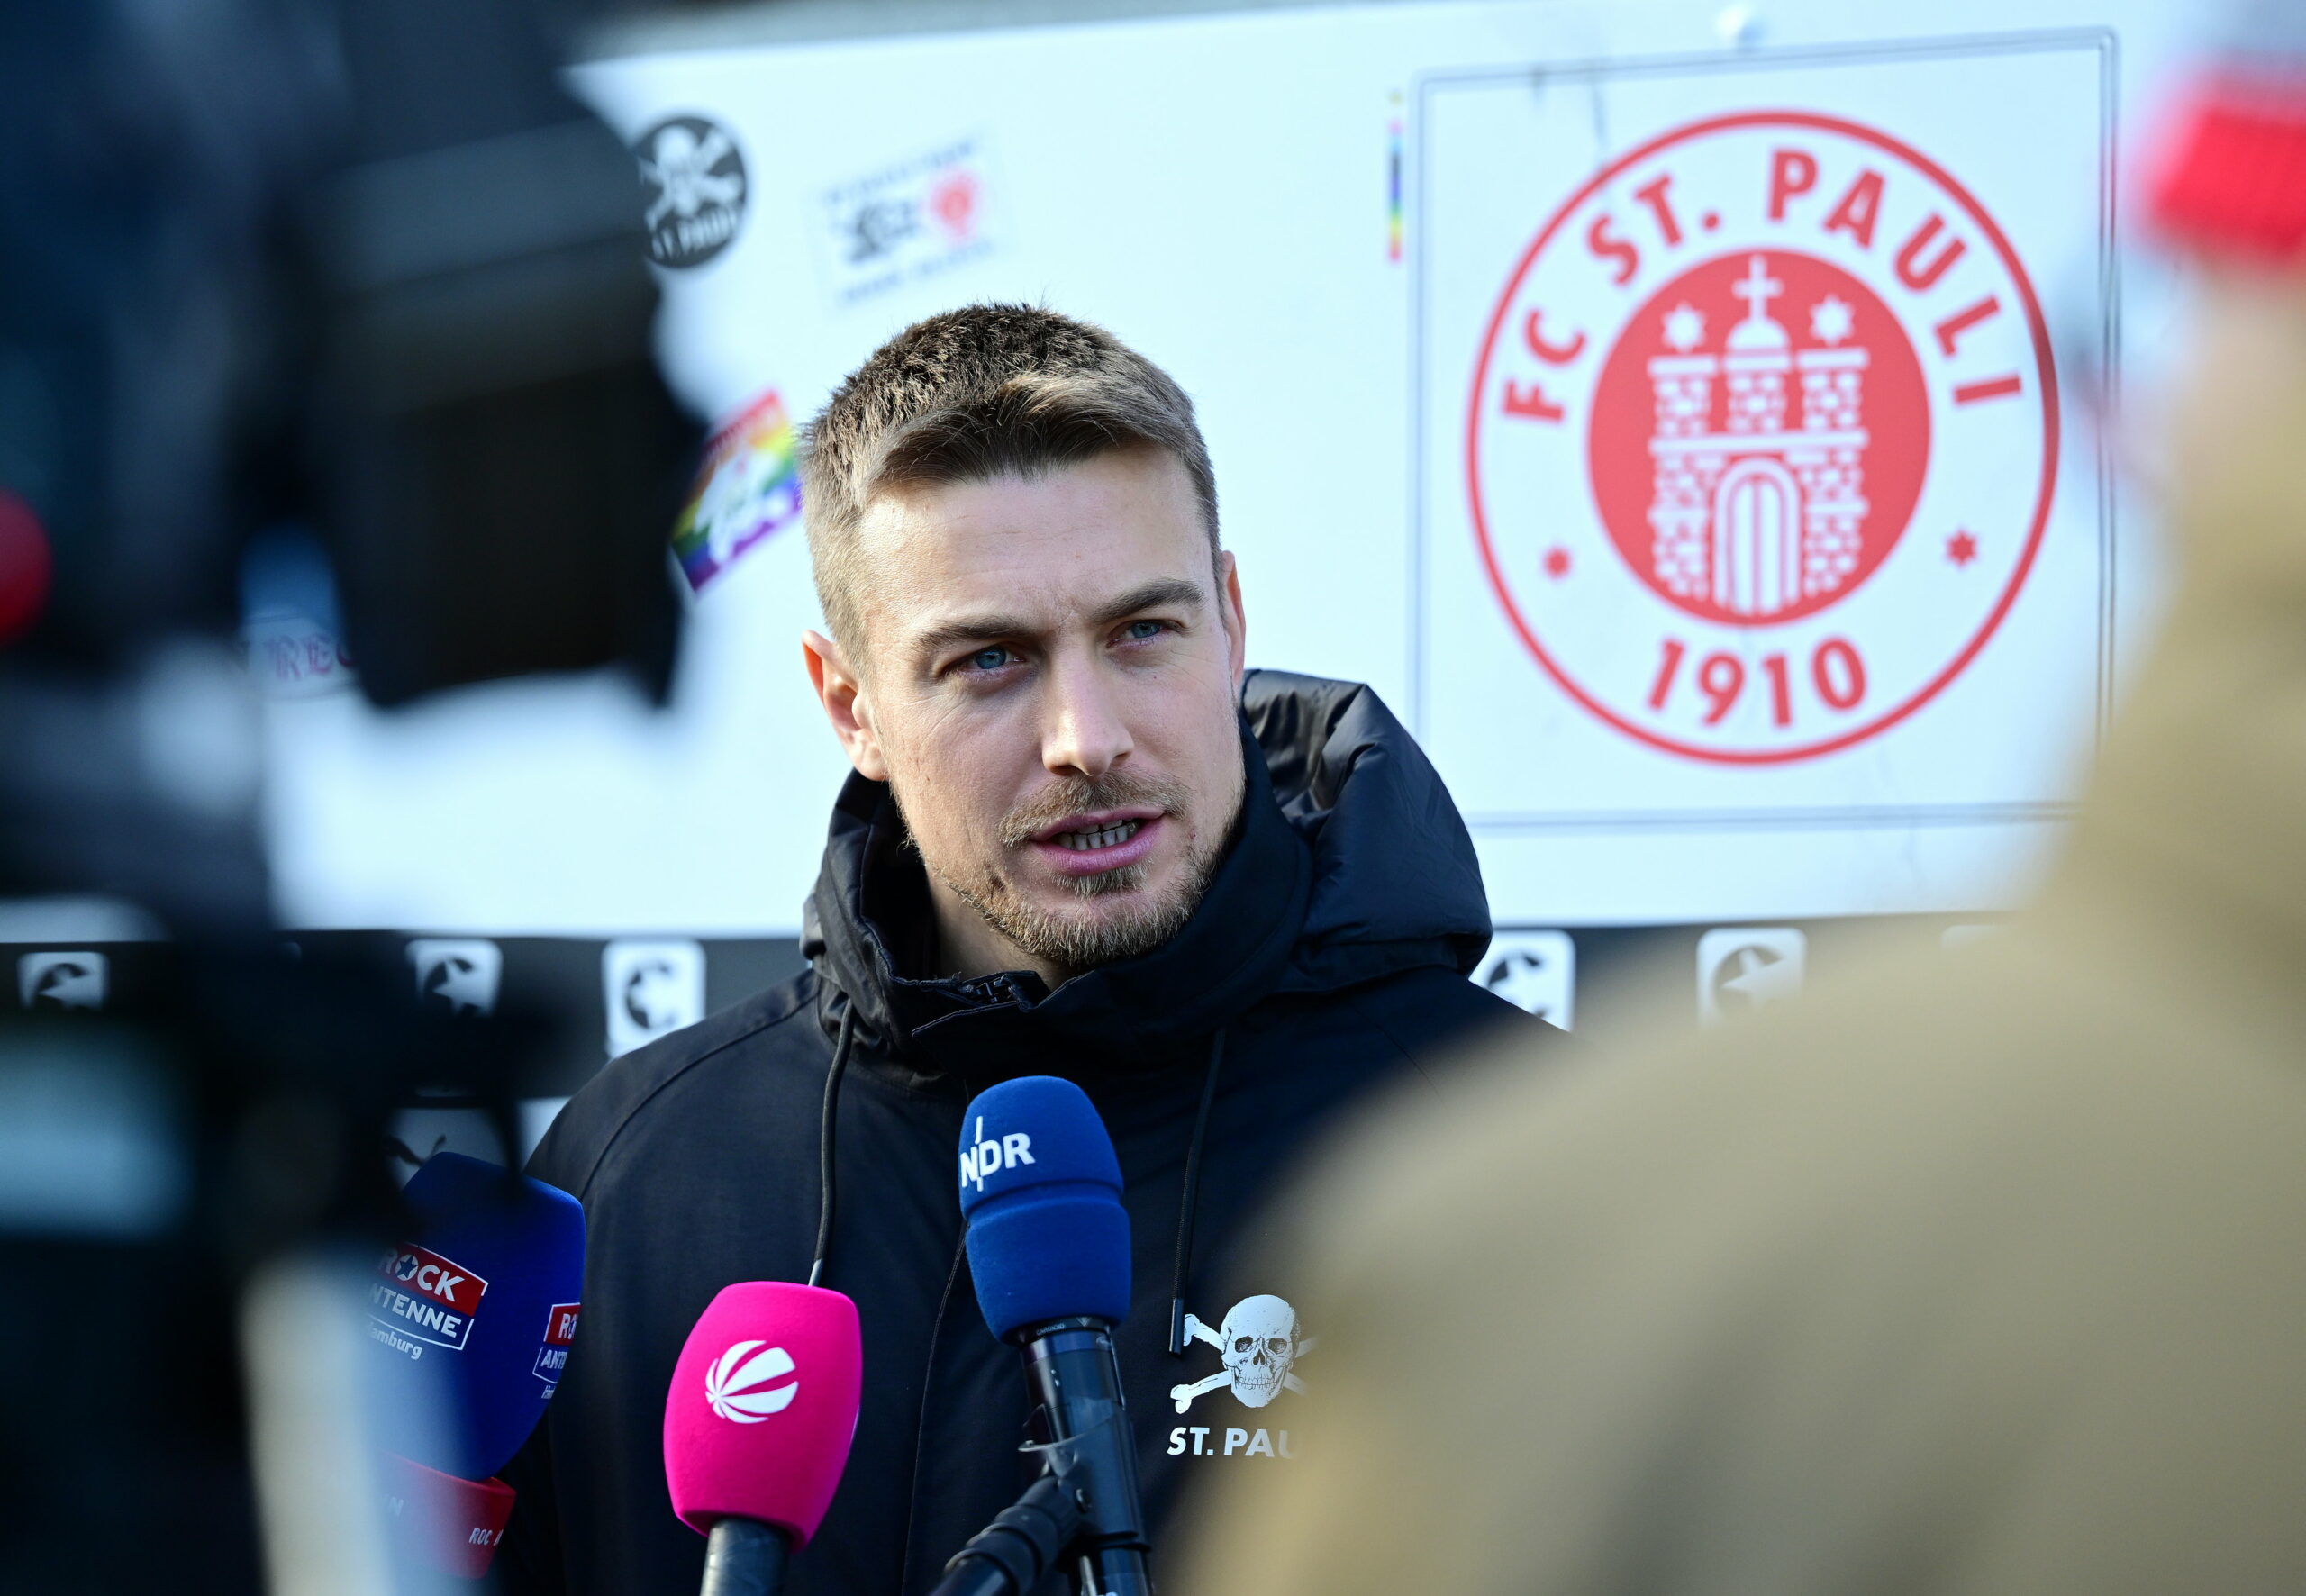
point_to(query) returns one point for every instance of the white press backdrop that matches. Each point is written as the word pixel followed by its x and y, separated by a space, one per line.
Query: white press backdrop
pixel 1218 189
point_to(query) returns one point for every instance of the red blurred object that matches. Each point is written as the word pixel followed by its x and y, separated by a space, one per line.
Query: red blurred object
pixel 446 1523
pixel 954 203
pixel 26 566
pixel 2230 174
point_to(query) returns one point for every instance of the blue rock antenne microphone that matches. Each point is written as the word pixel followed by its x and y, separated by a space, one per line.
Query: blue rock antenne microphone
pixel 477 1309
pixel 1049 1247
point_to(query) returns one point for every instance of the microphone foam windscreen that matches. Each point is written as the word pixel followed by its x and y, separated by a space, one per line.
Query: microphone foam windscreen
pixel 480 1303
pixel 1041 1189
pixel 763 1407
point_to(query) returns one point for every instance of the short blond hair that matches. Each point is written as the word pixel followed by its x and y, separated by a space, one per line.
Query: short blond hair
pixel 986 391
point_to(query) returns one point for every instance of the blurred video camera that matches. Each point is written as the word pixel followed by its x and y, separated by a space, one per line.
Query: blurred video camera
pixel 359 280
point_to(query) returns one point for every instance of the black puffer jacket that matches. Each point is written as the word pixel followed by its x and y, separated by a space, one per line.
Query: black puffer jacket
pixel 1329 956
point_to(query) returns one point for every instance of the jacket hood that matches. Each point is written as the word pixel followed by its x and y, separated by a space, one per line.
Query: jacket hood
pixel 1350 863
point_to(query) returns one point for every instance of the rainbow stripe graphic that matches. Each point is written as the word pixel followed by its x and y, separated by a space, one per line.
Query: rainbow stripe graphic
pixel 748 487
pixel 1393 184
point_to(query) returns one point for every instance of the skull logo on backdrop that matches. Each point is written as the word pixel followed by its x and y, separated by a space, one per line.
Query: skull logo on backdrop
pixel 1258 1344
pixel 695 179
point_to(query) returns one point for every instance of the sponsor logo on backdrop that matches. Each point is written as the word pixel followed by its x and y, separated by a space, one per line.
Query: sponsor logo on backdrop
pixel 290 635
pixel 650 989
pixel 742 1384
pixel 749 487
pixel 457 976
pixel 295 656
pixel 1748 967
pixel 59 980
pixel 1806 381
pixel 911 220
pixel 559 1335
pixel 694 177
pixel 420 1295
pixel 1536 971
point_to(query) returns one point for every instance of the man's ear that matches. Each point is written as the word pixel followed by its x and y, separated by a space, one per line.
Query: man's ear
pixel 1237 621
pixel 842 693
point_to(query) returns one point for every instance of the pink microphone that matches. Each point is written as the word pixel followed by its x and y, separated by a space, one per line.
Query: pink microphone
pixel 757 1424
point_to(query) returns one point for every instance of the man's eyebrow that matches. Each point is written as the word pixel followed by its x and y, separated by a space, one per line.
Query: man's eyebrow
pixel 1167 592
pixel 1164 593
pixel 984 628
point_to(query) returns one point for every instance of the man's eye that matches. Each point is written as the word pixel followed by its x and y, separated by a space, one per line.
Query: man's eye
pixel 1140 630
pixel 989 660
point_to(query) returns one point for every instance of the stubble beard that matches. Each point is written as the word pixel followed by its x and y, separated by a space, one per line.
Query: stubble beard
pixel 1137 925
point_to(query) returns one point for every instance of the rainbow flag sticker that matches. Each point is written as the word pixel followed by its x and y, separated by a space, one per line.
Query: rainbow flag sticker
pixel 748 487
pixel 1393 184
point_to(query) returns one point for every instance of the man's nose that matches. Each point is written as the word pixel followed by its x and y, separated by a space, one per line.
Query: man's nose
pixel 1084 732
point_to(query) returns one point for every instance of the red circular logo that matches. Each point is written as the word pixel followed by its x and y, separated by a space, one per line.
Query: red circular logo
pixel 1755 392
pixel 1808 389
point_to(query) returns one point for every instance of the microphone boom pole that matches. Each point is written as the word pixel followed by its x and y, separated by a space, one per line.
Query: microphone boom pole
pixel 1049 1247
pixel 1071 1371
pixel 1009 1555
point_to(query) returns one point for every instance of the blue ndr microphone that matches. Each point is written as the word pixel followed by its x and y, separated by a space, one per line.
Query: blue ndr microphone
pixel 1040 1190
pixel 1048 1248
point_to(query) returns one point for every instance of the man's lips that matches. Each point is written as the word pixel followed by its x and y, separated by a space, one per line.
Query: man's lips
pixel 1093 844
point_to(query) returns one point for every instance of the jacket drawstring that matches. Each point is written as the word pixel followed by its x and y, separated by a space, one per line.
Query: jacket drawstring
pixel 840 1051
pixel 1190 1202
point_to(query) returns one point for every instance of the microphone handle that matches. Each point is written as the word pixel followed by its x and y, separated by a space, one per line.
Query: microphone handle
pixel 745 1558
pixel 1071 1371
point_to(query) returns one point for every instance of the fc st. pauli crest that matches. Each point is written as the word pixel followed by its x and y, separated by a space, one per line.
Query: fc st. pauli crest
pixel 1802 380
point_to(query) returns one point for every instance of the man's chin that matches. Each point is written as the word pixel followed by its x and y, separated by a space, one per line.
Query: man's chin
pixel 1088 921
pixel 1129 880
pixel 1108 905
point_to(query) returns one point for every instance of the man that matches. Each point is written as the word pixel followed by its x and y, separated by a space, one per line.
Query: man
pixel 1076 843
pixel 1984 1279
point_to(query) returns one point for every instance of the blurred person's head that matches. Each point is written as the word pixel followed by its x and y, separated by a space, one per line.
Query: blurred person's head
pixel 1036 638
pixel 2227 189
pixel 1909 1284
pixel 2197 783
pixel 2235 433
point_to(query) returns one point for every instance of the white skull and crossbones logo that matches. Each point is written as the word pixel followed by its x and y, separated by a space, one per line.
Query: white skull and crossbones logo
pixel 683 175
pixel 1258 1345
